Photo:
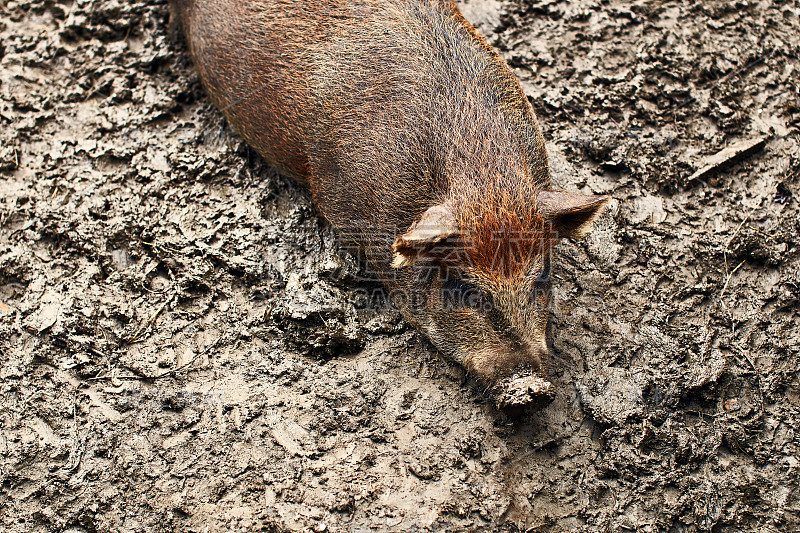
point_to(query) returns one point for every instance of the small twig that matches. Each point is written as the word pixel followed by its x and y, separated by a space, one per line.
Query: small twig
pixel 96 352
pixel 75 454
pixel 728 280
pixel 729 156
pixel 147 324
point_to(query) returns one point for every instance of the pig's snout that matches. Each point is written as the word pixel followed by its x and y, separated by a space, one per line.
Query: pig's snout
pixel 518 375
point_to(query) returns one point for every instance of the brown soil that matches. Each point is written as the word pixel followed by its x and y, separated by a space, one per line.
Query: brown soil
pixel 183 347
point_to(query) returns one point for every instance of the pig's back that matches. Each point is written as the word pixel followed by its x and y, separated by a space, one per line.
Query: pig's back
pixel 376 104
pixel 253 58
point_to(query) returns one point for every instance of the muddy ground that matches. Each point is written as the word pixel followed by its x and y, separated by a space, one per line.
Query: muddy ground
pixel 184 347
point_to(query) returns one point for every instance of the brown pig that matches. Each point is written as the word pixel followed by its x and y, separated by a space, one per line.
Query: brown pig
pixel 397 113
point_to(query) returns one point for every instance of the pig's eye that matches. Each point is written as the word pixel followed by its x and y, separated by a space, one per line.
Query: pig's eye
pixel 459 293
pixel 544 276
pixel 541 285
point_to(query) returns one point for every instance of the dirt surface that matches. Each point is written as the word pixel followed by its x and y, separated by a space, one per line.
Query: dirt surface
pixel 183 346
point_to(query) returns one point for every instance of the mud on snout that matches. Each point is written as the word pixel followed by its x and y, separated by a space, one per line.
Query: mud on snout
pixel 523 392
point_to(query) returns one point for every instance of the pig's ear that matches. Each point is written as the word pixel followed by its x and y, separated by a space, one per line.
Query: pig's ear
pixel 435 225
pixel 570 213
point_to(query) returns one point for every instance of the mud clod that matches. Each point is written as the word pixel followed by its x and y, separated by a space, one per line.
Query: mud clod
pixel 523 393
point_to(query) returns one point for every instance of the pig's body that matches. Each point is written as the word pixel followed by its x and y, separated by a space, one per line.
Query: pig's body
pixel 396 114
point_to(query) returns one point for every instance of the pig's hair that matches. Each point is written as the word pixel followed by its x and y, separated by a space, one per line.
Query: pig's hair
pixel 503 234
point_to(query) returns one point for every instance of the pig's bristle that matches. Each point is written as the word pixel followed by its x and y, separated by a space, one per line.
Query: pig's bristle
pixel 503 234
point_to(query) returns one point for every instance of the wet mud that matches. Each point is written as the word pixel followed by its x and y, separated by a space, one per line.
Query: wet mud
pixel 185 347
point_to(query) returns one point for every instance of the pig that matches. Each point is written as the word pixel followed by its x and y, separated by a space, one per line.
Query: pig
pixel 398 114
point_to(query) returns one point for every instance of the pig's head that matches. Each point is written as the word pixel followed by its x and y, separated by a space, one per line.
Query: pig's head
pixel 482 269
